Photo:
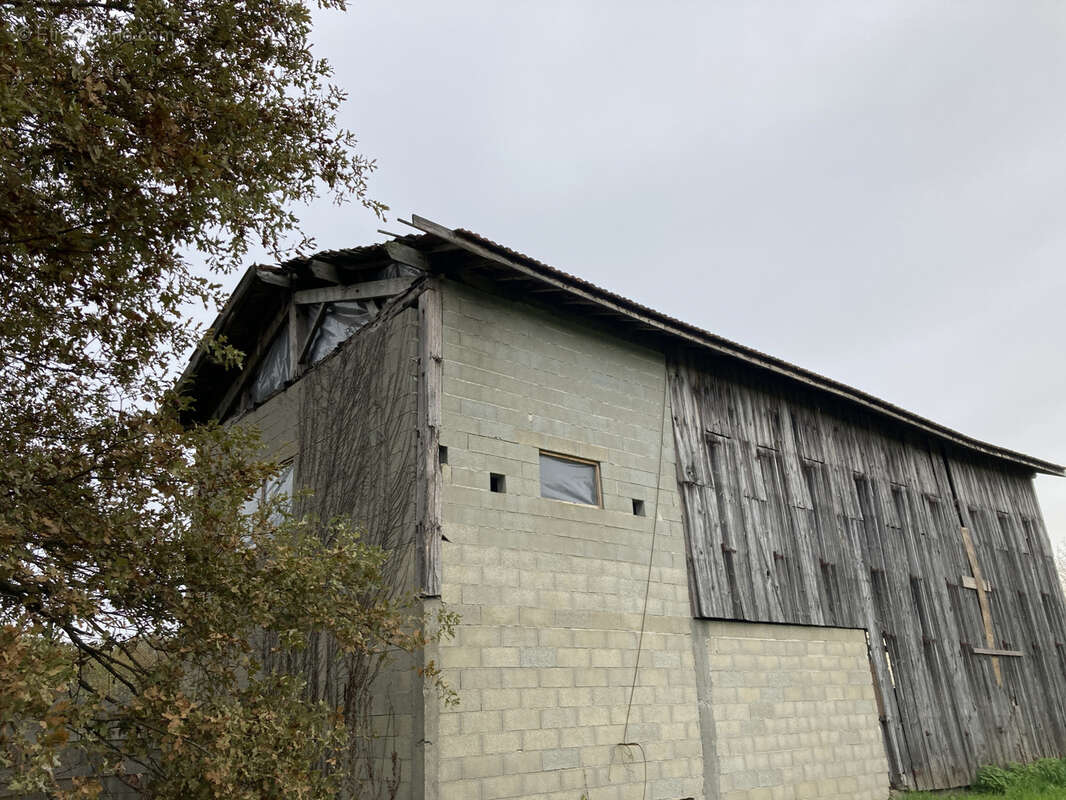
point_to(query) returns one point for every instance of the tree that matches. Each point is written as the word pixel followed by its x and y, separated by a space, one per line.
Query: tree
pixel 133 133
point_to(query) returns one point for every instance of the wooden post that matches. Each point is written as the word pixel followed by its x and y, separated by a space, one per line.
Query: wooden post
pixel 297 325
pixel 428 491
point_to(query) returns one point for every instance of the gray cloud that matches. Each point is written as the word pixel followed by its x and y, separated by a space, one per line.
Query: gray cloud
pixel 872 190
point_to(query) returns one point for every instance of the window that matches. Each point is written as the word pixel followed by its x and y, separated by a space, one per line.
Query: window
pixel 497 483
pixel 567 478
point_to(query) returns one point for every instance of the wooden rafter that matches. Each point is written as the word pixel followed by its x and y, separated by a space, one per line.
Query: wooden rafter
pixel 273 276
pixel 309 337
pixel 355 291
pixel 405 254
pixel 326 272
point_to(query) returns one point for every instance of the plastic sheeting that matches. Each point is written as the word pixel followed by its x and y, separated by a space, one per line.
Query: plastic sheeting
pixel 562 479
pixel 340 321
pixel 274 370
pixel 280 486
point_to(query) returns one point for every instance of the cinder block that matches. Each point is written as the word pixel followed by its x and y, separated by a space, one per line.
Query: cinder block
pixel 482 766
pixel 563 758
pixel 540 739
pixel 538 657
pixel 506 742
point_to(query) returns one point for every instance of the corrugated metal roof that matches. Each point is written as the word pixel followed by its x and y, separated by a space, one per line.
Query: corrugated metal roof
pixel 353 255
pixel 725 346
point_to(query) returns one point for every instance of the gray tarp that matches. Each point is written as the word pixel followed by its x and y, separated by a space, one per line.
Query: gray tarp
pixel 340 321
pixel 274 370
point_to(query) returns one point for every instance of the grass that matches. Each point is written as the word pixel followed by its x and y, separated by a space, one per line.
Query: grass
pixel 1040 780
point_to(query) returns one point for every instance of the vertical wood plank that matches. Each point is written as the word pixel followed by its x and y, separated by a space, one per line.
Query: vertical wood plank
pixel 428 494
pixel 801 513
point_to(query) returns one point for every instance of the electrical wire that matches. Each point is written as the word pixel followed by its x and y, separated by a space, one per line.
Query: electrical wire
pixel 651 553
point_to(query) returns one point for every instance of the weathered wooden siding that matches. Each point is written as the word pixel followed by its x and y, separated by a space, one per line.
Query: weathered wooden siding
pixel 797 511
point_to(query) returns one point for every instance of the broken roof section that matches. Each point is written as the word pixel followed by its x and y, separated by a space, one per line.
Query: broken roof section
pixel 459 253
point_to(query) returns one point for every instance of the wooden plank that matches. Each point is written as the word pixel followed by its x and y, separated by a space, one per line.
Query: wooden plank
pixel 355 291
pixel 309 334
pixel 273 276
pixel 991 651
pixel 326 272
pixel 297 323
pixel 428 493
pixel 880 549
pixel 969 582
pixel 405 254
pixel 982 598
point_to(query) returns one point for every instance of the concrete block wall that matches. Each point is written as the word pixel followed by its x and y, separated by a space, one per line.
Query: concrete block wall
pixel 794 715
pixel 551 593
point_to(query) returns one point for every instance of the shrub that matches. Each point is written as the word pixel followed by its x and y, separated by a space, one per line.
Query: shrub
pixel 994 780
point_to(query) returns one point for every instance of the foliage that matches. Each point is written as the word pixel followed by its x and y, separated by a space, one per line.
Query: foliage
pixel 130 132
pixel 134 132
pixel 992 779
pixel 145 652
pixel 1041 779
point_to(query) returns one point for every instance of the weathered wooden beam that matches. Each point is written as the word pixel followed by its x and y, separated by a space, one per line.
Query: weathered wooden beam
pixel 273 276
pixel 968 582
pixel 355 291
pixel 991 651
pixel 428 491
pixel 326 272
pixel 309 336
pixel 982 598
pixel 405 254
pixel 833 521
pixel 297 322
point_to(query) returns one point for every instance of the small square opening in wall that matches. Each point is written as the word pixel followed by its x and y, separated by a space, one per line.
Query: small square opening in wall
pixel 442 454
pixel 497 482
pixel 638 508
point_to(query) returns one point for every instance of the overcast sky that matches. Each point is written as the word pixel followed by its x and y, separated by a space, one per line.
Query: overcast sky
pixel 872 190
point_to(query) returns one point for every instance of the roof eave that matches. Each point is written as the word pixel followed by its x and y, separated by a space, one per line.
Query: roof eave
pixel 644 316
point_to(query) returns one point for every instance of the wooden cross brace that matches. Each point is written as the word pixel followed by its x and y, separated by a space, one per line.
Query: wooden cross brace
pixel 980 585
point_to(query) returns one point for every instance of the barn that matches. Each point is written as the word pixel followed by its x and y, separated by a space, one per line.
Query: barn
pixel 684 568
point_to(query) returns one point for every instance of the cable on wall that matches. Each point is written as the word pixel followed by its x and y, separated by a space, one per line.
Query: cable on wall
pixel 651 559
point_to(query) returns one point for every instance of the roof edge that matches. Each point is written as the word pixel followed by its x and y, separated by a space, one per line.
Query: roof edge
pixel 691 334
